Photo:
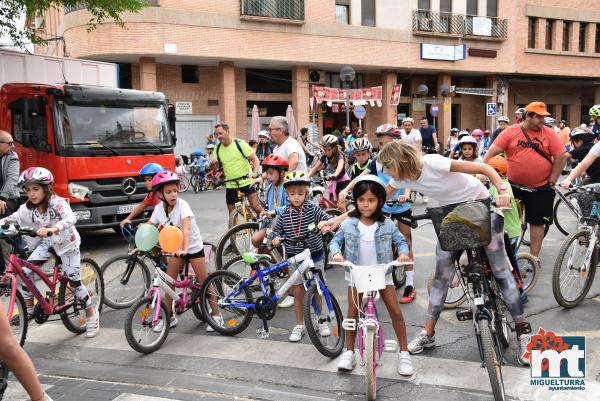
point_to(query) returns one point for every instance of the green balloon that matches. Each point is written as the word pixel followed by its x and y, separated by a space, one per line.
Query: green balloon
pixel 146 237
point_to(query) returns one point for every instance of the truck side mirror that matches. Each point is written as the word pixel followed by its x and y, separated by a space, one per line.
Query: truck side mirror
pixel 172 119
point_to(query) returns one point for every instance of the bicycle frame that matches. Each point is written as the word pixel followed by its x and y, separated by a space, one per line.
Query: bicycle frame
pixel 163 282
pixel 370 319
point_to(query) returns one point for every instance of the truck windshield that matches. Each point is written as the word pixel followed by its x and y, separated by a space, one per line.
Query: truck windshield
pixel 112 125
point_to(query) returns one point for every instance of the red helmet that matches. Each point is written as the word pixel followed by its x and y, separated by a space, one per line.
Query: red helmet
pixel 163 178
pixel 276 161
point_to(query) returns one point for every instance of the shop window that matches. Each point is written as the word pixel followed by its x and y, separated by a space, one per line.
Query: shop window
pixel 424 4
pixel 268 81
pixel 125 76
pixel 342 12
pixel 472 7
pixel 531 33
pixel 492 8
pixel 597 47
pixel 582 36
pixel 368 12
pixel 189 74
pixel 564 113
pixel 549 33
pixel 566 34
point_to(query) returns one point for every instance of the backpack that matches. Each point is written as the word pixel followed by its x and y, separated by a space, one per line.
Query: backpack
pixel 237 144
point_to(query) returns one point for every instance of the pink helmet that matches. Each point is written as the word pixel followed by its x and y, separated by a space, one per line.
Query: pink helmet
pixel 162 178
pixel 477 133
pixel 467 139
pixel 36 175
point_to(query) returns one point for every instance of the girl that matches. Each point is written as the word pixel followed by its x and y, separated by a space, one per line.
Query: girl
pixel 177 212
pixel 441 179
pixel 147 173
pixel 468 149
pixel 333 160
pixel 452 140
pixel 368 238
pixel 51 215
pixel 179 168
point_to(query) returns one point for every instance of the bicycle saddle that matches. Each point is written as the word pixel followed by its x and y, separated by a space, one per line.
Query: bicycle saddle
pixel 252 258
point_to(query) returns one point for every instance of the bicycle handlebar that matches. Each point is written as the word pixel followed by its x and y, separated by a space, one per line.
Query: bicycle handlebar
pixel 14 230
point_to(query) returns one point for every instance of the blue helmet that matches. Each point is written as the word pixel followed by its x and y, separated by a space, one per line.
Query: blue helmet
pixel 151 169
pixel 198 152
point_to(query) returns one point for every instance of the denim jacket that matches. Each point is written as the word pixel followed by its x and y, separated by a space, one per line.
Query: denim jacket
pixel 386 235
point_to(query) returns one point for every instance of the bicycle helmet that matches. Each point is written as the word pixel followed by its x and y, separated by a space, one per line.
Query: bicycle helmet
pixel 387 129
pixel 549 121
pixel 370 178
pixel 264 134
pixel 36 175
pixel 454 130
pixel 151 169
pixel 462 134
pixel 467 140
pixel 329 140
pixel 499 163
pixel 361 144
pixel 520 110
pixel 210 146
pixel 584 134
pixel 595 110
pixel 477 133
pixel 162 178
pixel 503 119
pixel 197 153
pixel 296 178
pixel 276 161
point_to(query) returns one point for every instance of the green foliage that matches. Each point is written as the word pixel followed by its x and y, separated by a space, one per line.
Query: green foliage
pixel 100 11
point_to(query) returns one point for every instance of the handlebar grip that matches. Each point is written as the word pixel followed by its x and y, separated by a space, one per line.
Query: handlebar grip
pixel 424 216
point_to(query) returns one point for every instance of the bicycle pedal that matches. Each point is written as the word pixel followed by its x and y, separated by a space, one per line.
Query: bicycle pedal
pixel 349 324
pixel 390 346
pixel 464 314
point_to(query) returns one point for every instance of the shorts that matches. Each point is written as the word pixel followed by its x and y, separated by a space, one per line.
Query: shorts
pixel 231 194
pixel 538 204
pixel 340 186
pixel 197 255
pixel 319 265
pixel 405 217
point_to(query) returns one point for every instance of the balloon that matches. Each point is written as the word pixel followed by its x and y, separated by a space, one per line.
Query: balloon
pixel 146 237
pixel 170 239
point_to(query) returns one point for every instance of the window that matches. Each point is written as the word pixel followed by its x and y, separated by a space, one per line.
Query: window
pixel 582 34
pixel 549 32
pixel 29 122
pixel 471 7
pixel 424 4
pixel 368 12
pixel 597 47
pixel 446 6
pixel 189 74
pixel 341 14
pixel 566 35
pixel 492 8
pixel 125 76
pixel 564 112
pixel 268 81
pixel 531 31
pixel 550 108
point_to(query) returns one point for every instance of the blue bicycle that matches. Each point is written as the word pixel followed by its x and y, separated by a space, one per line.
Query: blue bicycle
pixel 233 296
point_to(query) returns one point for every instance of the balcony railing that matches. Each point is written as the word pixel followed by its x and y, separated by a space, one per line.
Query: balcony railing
pixel 283 9
pixel 77 7
pixel 426 21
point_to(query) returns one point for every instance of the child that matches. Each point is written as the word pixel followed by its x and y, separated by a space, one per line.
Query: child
pixel 441 179
pixel 468 149
pixel 177 212
pixel 52 215
pixel 253 144
pixel 361 148
pixel 456 149
pixel 334 162
pixel 369 238
pixel 147 173
pixel 179 167
pixel 293 224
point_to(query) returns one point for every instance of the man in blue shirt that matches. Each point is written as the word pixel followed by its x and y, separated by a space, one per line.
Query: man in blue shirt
pixel 430 140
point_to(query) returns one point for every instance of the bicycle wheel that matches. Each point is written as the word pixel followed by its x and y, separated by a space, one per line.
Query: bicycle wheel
pixel 572 276
pixel 184 183
pixel 370 363
pixel 243 270
pixel 236 240
pixel 323 319
pixel 456 295
pixel 195 183
pixel 74 317
pixel 491 359
pixel 18 321
pixel 126 279
pixel 217 286
pixel 566 219
pixel 529 269
pixel 236 217
pixel 139 330
pixel 399 276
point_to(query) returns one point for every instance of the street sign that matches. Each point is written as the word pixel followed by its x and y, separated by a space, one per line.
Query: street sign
pixel 491 109
pixel 360 112
pixel 434 110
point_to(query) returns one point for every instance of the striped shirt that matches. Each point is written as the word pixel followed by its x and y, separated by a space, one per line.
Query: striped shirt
pixel 293 223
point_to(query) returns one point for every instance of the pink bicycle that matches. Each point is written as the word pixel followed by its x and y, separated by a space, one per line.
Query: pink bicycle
pixel 63 304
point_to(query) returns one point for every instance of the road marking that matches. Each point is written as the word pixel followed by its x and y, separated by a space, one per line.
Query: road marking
pixel 15 392
pixel 137 397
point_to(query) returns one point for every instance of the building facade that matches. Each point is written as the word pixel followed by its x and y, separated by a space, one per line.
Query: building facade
pixel 216 59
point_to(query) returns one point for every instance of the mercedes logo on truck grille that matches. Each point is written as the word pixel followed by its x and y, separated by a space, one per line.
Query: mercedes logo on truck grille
pixel 128 186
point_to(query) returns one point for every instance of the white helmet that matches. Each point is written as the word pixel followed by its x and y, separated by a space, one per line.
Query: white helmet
pixel 265 134
pixel 503 119
pixel 329 140
pixel 469 140
pixel 549 121
pixel 210 146
pixel 361 144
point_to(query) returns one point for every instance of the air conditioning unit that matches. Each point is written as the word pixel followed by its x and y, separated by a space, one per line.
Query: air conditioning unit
pixel 316 77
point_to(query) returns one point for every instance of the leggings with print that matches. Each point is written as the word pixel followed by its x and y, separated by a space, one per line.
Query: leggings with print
pixel 444 273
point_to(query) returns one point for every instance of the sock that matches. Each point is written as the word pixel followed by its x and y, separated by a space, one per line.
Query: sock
pixel 410 276
pixel 81 293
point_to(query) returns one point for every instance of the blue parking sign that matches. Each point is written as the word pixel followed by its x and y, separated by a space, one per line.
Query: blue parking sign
pixel 491 109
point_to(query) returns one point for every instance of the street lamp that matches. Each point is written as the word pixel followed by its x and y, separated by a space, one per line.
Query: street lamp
pixel 347 75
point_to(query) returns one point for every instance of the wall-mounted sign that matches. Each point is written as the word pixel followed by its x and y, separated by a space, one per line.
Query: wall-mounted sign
pixel 356 96
pixel 183 107
pixel 443 52
pixel 395 99
pixel 482 26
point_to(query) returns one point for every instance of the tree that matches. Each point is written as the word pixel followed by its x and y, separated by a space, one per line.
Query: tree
pixel 12 11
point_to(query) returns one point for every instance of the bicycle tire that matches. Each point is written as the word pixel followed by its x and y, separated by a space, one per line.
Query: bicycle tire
pixel 114 285
pixel 312 327
pixel 19 317
pixel 196 309
pixel 225 242
pixel 556 276
pixel 256 290
pixel 76 309
pixel 245 314
pixel 236 217
pixel 370 364
pixel 555 214
pixel 530 269
pixel 451 301
pixel 184 183
pixel 133 314
pixel 491 360
pixel 399 276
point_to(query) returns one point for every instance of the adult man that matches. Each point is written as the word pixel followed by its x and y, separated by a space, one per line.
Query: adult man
pixel 564 133
pixel 359 133
pixel 285 145
pixel 536 156
pixel 234 155
pixel 429 137
pixel 503 122
pixel 344 137
pixel 519 115
pixel 9 175
pixel 410 134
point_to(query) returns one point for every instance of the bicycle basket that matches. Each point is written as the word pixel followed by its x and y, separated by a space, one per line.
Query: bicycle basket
pixel 368 278
pixel 462 226
pixel 589 204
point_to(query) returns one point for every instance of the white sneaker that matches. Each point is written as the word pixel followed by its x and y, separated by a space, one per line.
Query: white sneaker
pixel 287 302
pixel 420 342
pixel 324 330
pixel 92 325
pixel 405 367
pixel 347 361
pixel 218 320
pixel 172 323
pixel 297 333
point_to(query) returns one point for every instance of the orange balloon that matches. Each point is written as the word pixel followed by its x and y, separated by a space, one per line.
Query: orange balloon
pixel 170 239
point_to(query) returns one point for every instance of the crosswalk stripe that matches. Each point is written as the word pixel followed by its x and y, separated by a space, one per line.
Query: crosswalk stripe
pixel 16 392
pixel 137 397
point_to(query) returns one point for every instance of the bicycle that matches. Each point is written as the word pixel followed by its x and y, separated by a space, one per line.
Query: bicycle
pixel 214 179
pixel 469 229
pixel 318 191
pixel 371 340
pixel 197 179
pixel 70 310
pixel 242 212
pixel 575 268
pixel 184 183
pixel 567 212
pixel 151 309
pixel 234 298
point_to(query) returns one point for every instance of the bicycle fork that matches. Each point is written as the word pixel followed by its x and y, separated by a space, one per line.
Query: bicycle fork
pixel 591 246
